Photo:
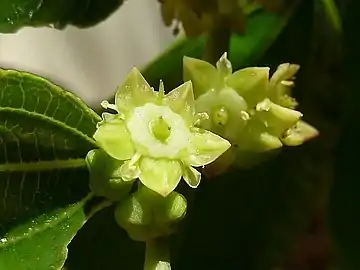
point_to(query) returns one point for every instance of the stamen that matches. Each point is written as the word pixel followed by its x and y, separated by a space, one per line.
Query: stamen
pixel 199 117
pixel 106 105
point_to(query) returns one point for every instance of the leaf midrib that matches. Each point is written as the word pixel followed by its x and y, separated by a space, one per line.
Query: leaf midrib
pixel 50 120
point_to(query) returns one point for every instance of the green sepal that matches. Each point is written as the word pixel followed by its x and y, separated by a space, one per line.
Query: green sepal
pixel 105 179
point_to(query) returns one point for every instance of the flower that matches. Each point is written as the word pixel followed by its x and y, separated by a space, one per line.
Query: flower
pixel 155 135
pixel 255 113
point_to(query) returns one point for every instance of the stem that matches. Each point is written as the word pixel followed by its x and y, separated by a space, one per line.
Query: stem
pixel 157 256
pixel 217 42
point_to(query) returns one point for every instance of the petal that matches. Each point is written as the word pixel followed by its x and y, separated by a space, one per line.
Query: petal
pixel 181 100
pixel 281 85
pixel 160 175
pixel 203 75
pixel 205 147
pixel 277 118
pixel 191 176
pixel 300 133
pixel 268 142
pixel 134 91
pixel 250 83
pixel 224 66
pixel 114 138
pixel 284 72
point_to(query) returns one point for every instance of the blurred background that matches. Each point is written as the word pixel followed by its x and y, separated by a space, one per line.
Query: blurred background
pixel 90 62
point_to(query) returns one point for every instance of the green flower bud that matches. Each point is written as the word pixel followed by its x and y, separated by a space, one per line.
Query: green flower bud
pixel 255 113
pixel 146 215
pixel 105 178
pixel 154 135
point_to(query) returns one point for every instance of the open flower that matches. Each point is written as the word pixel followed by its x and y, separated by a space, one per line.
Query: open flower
pixel 155 136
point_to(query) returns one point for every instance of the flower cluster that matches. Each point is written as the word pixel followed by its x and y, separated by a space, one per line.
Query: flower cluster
pixel 255 113
pixel 233 119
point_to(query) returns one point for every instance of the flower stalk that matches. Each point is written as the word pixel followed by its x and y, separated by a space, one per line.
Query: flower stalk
pixel 157 255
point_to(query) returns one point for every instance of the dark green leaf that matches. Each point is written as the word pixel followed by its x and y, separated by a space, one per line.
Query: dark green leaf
pixel 42 245
pixel 15 14
pixel 45 134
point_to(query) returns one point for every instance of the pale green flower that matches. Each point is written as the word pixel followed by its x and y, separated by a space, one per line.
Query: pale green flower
pixel 155 136
pixel 254 111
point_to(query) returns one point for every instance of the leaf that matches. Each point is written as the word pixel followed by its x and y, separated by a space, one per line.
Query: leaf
pixel 45 134
pixel 41 244
pixel 15 14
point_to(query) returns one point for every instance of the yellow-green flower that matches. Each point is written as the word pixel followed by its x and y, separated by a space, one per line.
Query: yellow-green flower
pixel 254 112
pixel 155 136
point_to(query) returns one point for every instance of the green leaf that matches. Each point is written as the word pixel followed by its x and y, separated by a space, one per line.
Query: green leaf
pixel 15 14
pixel 45 134
pixel 41 244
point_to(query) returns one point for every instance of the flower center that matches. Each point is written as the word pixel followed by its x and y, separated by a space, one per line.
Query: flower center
pixel 157 131
pixel 160 129
pixel 220 115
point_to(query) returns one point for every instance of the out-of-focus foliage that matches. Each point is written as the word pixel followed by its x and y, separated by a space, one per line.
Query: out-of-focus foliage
pixel 15 14
pixel 202 16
